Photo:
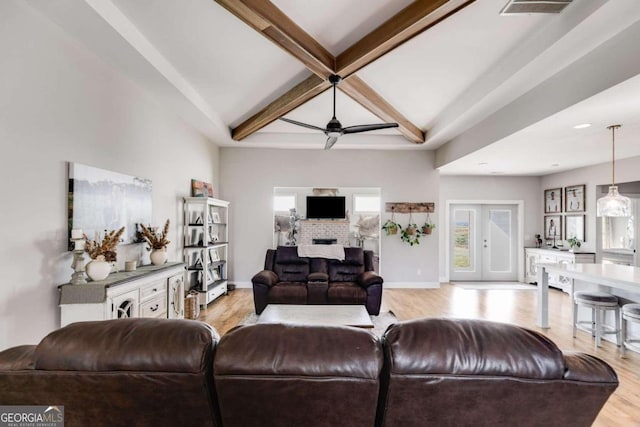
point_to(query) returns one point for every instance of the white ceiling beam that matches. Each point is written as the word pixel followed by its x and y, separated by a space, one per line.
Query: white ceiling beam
pixel 609 64
pixel 565 38
pixel 106 32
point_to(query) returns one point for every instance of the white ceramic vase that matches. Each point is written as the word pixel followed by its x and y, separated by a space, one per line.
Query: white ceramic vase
pixel 98 269
pixel 158 256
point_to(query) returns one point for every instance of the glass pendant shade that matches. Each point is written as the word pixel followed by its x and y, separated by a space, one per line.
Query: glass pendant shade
pixel 614 204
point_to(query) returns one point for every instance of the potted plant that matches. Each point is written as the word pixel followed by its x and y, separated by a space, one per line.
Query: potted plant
pixel 391 227
pixel 102 254
pixel 157 243
pixel 411 234
pixel 574 243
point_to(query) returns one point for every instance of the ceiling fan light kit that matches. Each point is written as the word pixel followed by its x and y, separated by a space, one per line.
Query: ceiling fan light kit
pixel 613 204
pixel 334 128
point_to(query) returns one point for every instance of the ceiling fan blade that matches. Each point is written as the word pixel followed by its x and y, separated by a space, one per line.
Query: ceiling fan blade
pixel 366 128
pixel 304 125
pixel 330 141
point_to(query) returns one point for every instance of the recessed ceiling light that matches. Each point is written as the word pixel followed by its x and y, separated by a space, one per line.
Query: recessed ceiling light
pixel 483 164
pixel 496 173
pixel 555 165
pixel 582 126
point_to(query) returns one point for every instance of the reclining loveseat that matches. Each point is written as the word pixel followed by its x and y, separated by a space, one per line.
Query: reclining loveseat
pixel 162 372
pixel 290 279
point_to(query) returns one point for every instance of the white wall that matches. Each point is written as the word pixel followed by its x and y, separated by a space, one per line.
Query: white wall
pixel 493 188
pixel 248 177
pixel 60 103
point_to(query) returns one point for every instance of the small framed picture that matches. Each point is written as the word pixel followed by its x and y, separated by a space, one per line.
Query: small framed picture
pixel 574 198
pixel 574 227
pixel 214 256
pixel 216 274
pixel 553 200
pixel 215 217
pixel 553 227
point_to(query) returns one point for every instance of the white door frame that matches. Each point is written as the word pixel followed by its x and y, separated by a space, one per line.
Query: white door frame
pixel 520 248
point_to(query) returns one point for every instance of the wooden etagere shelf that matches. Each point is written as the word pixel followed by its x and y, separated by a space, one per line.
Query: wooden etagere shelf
pixel 206 246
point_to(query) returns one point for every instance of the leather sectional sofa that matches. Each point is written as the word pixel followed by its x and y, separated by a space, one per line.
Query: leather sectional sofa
pixel 290 279
pixel 159 372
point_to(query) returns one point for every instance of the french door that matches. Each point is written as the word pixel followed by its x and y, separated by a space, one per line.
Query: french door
pixel 483 242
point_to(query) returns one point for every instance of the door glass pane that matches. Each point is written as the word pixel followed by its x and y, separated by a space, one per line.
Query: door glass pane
pixel 463 240
pixel 499 240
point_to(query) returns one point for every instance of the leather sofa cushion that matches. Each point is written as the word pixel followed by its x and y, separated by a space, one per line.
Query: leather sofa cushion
pixel 346 293
pixel 471 347
pixel 349 269
pixel 289 266
pixel 288 349
pixel 294 375
pixel 288 293
pixel 142 345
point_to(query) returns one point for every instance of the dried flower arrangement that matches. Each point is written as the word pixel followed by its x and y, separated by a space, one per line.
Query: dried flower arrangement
pixel 156 241
pixel 106 248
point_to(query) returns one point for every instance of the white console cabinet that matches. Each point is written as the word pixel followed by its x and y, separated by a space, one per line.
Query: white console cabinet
pixel 150 291
pixel 534 256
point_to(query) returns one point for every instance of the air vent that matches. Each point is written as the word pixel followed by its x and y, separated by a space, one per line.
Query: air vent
pixel 516 7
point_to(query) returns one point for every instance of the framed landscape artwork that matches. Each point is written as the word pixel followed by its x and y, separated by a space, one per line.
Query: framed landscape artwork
pixel 201 189
pixel 553 227
pixel 553 200
pixel 574 198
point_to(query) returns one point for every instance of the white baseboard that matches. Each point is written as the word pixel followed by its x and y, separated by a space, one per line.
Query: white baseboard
pixel 411 285
pixel 239 285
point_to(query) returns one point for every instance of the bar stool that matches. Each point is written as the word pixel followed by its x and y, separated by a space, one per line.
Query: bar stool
pixel 599 303
pixel 631 313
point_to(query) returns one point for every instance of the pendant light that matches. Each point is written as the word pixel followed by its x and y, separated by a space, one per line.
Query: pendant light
pixel 613 204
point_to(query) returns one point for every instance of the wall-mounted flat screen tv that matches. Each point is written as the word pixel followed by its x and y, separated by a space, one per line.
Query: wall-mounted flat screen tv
pixel 325 207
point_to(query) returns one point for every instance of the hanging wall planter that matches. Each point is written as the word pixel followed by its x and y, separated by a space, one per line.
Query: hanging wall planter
pixel 391 227
pixel 428 226
pixel 411 233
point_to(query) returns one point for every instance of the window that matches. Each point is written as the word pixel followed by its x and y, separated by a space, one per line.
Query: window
pixel 366 203
pixel 282 203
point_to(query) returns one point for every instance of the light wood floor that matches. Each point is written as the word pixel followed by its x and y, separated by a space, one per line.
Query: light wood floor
pixel 512 306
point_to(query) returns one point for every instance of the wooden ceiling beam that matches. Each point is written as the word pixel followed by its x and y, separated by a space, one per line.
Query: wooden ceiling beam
pixel 364 95
pixel 267 19
pixel 403 26
pixel 298 95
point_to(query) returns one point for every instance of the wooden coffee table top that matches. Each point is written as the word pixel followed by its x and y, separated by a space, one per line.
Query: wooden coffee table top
pixel 325 315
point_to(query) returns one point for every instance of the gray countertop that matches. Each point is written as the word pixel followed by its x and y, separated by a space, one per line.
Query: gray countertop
pixel 95 292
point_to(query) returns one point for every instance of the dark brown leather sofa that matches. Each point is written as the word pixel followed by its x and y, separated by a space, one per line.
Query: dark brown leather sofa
pixel 159 372
pixel 290 279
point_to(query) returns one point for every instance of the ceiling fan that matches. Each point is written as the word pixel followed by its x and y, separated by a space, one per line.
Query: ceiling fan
pixel 334 128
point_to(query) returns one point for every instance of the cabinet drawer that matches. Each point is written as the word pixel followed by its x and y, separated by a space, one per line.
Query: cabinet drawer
pixel 159 287
pixel 156 307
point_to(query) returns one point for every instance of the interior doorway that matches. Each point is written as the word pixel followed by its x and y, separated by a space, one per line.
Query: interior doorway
pixel 483 242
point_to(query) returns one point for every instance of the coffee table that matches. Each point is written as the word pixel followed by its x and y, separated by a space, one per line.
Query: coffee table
pixel 326 315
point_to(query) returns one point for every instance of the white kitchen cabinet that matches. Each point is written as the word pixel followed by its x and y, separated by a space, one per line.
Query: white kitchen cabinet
pixel 534 256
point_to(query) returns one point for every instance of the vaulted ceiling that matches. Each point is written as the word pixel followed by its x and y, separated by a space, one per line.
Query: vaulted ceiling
pixel 489 93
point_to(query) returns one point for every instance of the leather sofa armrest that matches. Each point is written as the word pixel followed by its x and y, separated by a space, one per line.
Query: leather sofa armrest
pixel 318 277
pixel 19 358
pixel 369 278
pixel 265 277
pixel 587 368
